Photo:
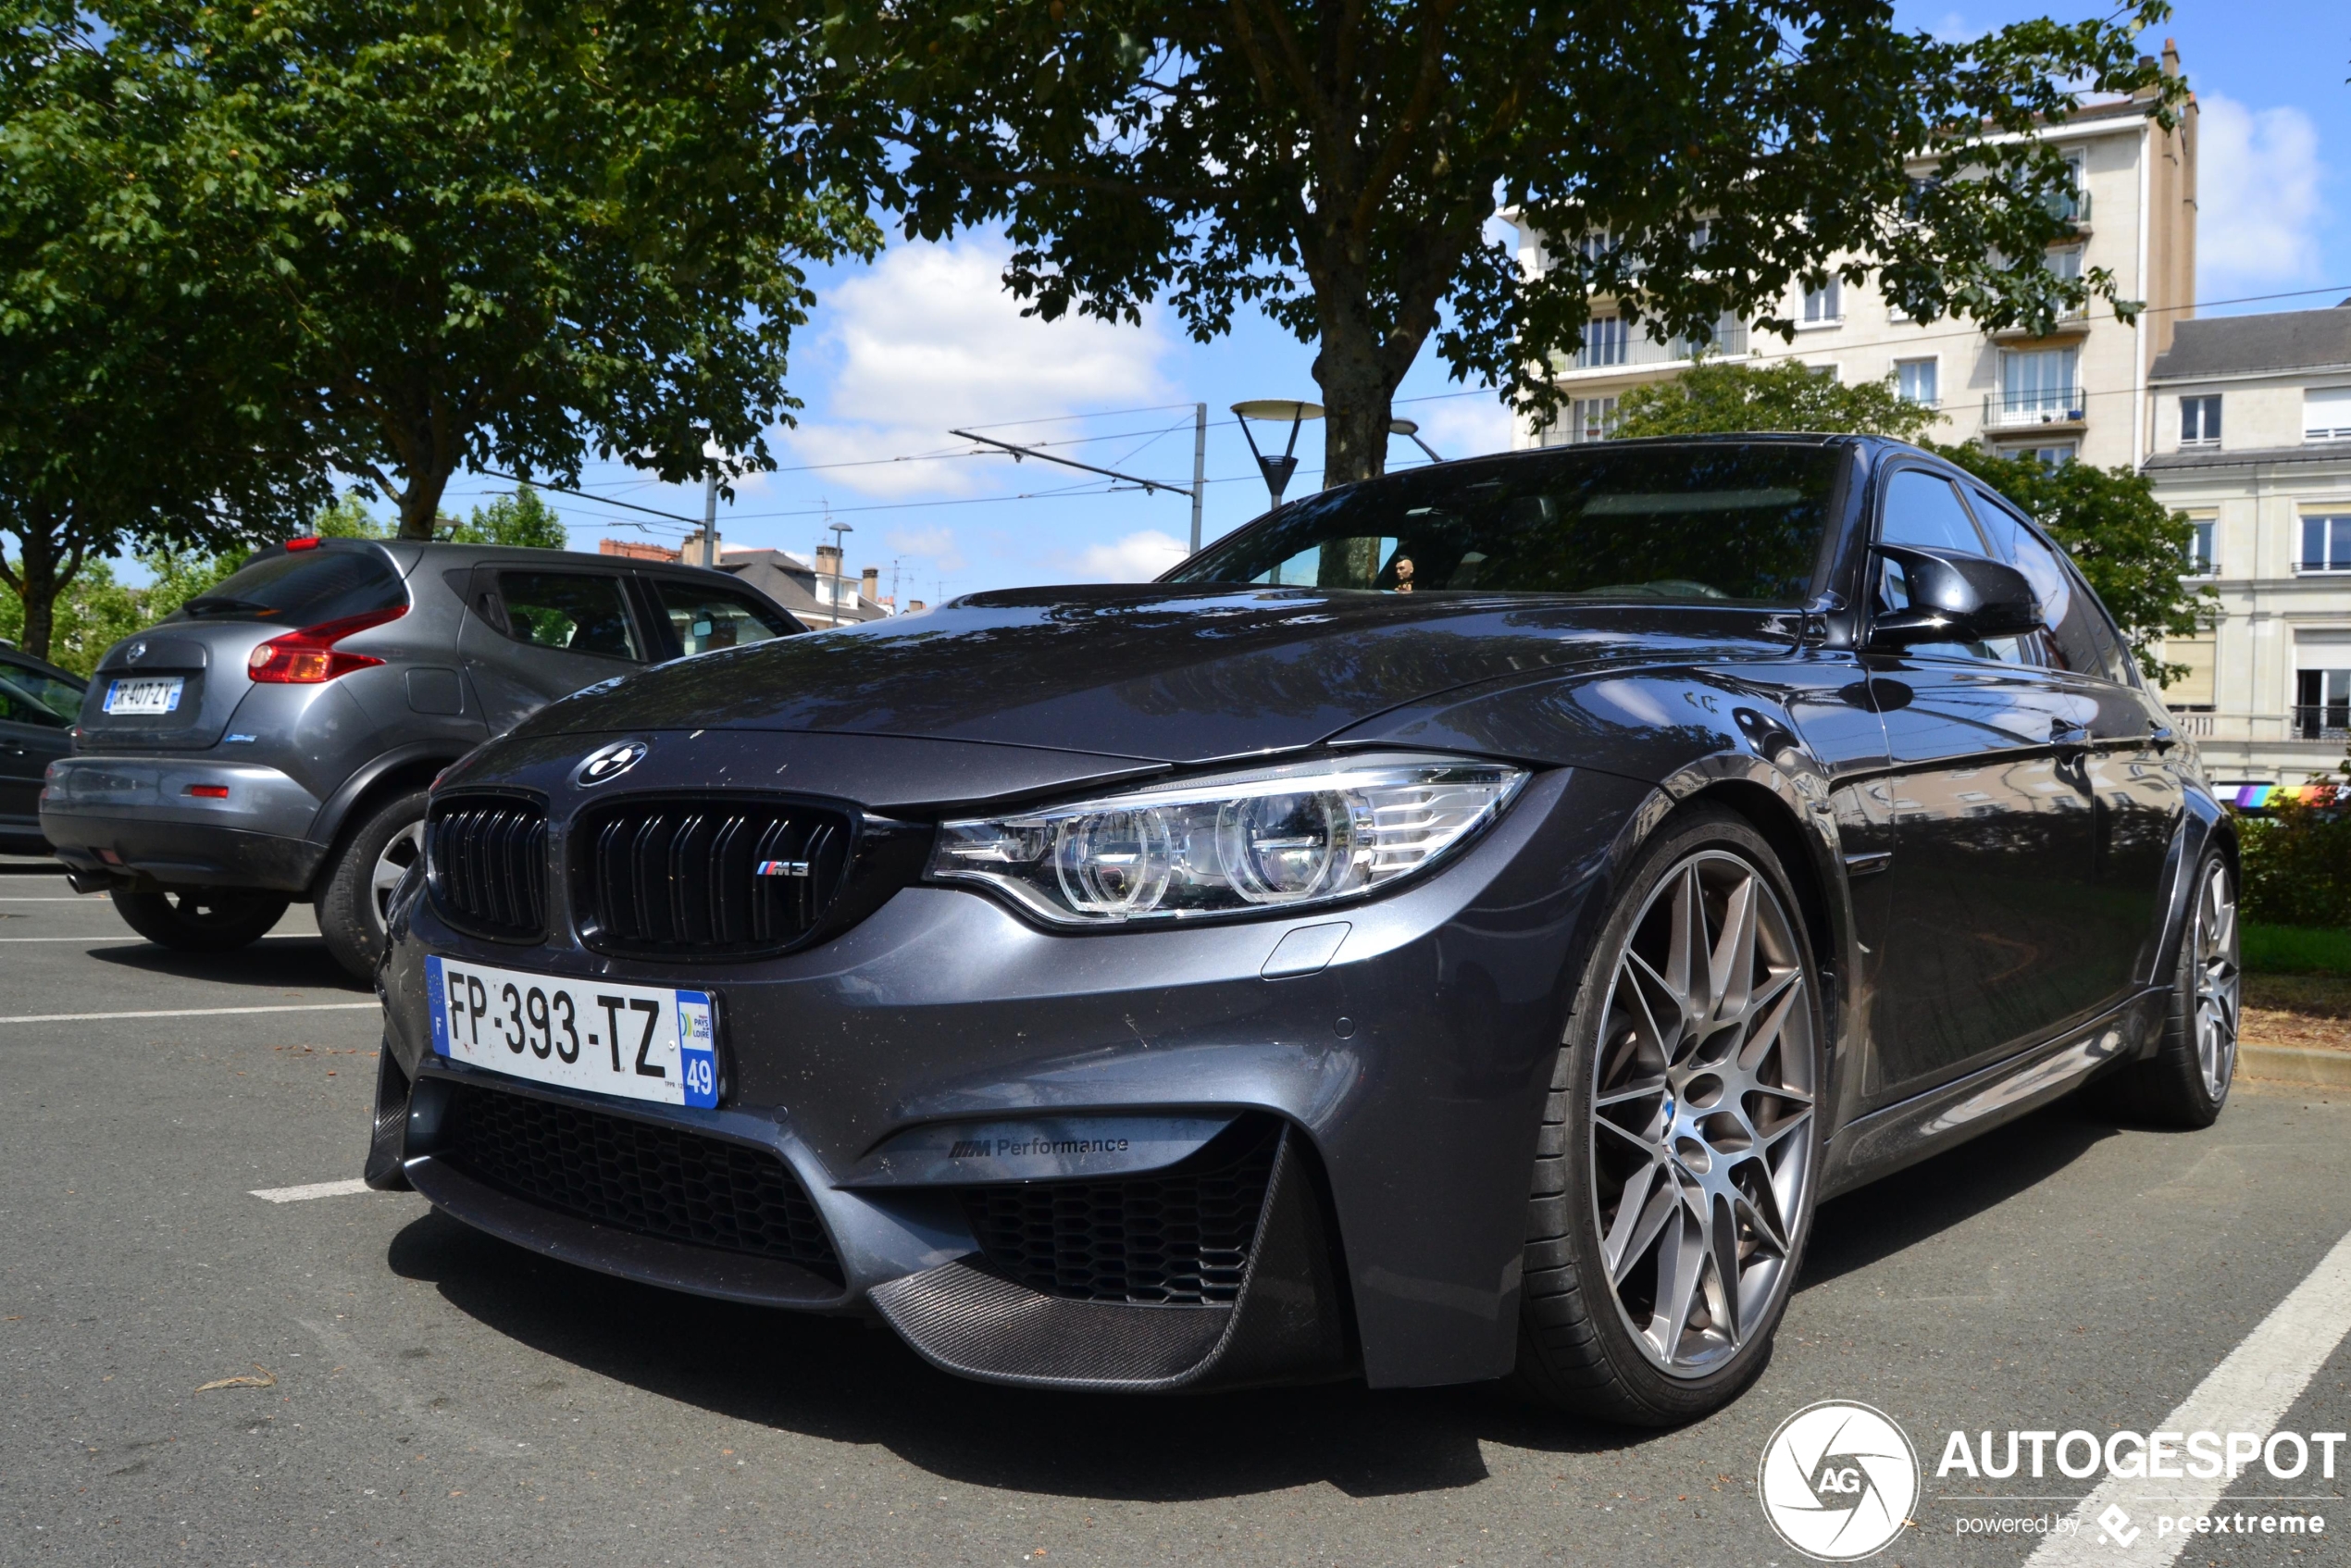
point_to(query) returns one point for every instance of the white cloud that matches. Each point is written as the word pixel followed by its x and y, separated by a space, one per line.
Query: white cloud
pixel 2258 190
pixel 936 545
pixel 1456 427
pixel 1138 557
pixel 930 339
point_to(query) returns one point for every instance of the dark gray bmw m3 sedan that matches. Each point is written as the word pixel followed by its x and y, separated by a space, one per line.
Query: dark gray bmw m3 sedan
pixel 1460 925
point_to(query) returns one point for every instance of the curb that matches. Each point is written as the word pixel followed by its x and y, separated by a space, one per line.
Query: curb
pixel 2295 1064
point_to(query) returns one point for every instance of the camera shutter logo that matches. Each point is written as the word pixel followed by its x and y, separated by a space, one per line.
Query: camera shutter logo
pixel 610 762
pixel 1838 1480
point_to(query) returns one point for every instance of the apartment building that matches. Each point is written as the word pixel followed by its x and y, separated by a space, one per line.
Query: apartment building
pixel 2077 391
pixel 2252 416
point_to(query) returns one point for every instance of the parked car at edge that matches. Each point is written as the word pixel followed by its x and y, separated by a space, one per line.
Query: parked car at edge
pixel 37 705
pixel 272 740
pixel 1458 926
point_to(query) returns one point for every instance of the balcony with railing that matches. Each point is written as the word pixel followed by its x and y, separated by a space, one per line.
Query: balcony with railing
pixel 1610 342
pixel 2321 721
pixel 2016 411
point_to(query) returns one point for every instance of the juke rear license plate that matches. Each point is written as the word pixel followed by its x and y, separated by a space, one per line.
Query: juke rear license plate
pixel 154 694
pixel 639 1042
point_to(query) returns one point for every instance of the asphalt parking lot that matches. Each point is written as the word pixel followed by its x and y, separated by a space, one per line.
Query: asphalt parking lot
pixel 411 1392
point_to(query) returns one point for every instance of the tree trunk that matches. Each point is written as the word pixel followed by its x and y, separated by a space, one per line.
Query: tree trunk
pixel 420 503
pixel 38 583
pixel 1357 401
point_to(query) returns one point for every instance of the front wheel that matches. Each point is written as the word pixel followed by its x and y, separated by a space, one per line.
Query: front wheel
pixel 1675 1178
pixel 200 919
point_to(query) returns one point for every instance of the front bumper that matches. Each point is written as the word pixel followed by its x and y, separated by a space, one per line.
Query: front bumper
pixel 1399 1088
pixel 116 815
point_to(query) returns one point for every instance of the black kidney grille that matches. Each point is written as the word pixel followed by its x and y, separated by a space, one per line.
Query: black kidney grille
pixel 487 861
pixel 698 878
pixel 1178 1237
pixel 640 1177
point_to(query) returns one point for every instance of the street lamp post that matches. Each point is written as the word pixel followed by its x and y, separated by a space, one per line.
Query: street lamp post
pixel 1276 470
pixel 838 529
pixel 1411 430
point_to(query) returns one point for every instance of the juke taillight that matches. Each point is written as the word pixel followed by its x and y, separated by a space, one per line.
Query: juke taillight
pixel 309 656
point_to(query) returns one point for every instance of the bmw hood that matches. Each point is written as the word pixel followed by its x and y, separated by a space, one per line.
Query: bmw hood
pixel 1151 672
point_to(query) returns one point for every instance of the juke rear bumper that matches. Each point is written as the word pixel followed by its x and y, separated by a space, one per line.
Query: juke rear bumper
pixel 111 817
pixel 1124 1159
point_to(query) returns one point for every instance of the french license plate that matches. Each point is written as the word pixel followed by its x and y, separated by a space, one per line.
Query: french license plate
pixel 152 694
pixel 637 1041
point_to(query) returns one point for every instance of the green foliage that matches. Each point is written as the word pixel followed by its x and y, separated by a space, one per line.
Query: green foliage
pixel 2127 544
pixel 1713 398
pixel 2294 950
pixel 347 517
pixel 129 408
pixel 2297 864
pixel 493 235
pixel 94 610
pixel 521 519
pixel 1338 166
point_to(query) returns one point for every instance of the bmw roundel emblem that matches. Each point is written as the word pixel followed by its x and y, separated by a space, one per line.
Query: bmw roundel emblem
pixel 610 762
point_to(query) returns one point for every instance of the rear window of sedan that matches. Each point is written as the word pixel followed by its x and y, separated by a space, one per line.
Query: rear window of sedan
pixel 1697 524
pixel 302 588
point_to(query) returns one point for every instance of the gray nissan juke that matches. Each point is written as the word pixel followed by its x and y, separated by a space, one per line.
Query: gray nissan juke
pixel 1459 926
pixel 272 740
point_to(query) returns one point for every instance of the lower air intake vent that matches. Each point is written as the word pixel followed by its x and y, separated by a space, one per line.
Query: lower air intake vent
pixel 706 878
pixel 1181 1236
pixel 486 859
pixel 636 1175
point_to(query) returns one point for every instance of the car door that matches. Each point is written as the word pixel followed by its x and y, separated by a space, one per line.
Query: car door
pixel 37 710
pixel 1986 891
pixel 533 634
pixel 2135 793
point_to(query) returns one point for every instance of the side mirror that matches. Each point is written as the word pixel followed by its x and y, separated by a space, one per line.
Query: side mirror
pixel 1953 597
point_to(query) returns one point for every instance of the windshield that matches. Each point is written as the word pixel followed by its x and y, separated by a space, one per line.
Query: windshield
pixel 1699 524
pixel 302 590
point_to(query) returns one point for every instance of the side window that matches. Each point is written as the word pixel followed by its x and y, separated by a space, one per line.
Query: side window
pixel 705 618
pixel 578 612
pixel 2078 637
pixel 27 696
pixel 1924 509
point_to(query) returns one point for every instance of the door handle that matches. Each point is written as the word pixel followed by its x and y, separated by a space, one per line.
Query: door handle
pixel 2161 736
pixel 2068 732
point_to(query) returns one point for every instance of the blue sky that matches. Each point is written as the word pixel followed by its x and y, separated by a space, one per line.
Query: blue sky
pixel 900 351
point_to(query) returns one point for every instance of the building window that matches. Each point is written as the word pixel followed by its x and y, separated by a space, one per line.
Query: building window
pixel 2040 384
pixel 1591 419
pixel 2326 544
pixel 2200 421
pixel 2326 414
pixel 2191 692
pixel 2200 530
pixel 1915 381
pixel 1603 343
pixel 2066 263
pixel 2049 454
pixel 2071 205
pixel 2321 705
pixel 1823 306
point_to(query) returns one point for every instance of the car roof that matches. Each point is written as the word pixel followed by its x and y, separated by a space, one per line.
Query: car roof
pixel 23 660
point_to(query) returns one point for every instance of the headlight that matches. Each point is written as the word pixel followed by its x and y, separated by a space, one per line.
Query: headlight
pixel 1269 839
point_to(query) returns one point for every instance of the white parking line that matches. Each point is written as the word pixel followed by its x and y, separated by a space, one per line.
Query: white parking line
pixel 118 941
pixel 2249 1391
pixel 191 1013
pixel 315 1189
pixel 51 898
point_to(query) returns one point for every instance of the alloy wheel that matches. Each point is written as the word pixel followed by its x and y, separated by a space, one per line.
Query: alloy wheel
pixel 399 853
pixel 1701 1138
pixel 2217 980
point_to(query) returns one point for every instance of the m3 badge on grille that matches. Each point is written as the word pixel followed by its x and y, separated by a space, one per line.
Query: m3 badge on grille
pixel 782 868
pixel 610 762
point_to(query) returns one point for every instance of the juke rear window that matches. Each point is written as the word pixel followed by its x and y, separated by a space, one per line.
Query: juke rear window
pixel 302 590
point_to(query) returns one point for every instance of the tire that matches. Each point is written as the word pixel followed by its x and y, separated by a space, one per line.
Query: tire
pixel 372 859
pixel 2185 1083
pixel 1633 1107
pixel 199 919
